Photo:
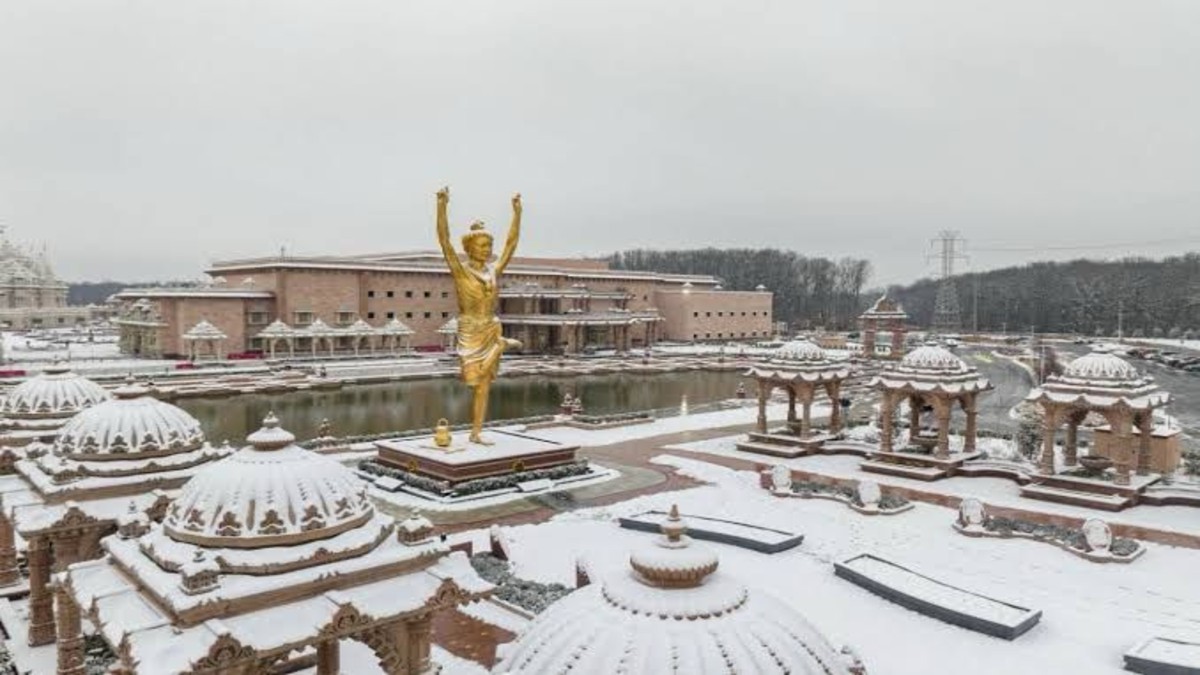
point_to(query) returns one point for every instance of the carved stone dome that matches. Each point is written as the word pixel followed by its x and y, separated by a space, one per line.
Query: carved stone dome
pixel 799 350
pixel 1098 365
pixel 270 493
pixel 671 614
pixel 131 422
pixel 932 358
pixel 56 392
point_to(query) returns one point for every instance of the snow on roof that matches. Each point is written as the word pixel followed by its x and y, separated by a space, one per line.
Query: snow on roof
pixel 1101 380
pixel 269 492
pixel 318 328
pixel 57 392
pixel 674 612
pixel 395 327
pixel 277 329
pixel 800 360
pixel 885 308
pixel 204 330
pixel 450 327
pixel 133 422
pixel 932 368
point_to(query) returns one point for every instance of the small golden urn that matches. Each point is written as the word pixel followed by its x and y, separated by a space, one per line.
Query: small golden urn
pixel 441 433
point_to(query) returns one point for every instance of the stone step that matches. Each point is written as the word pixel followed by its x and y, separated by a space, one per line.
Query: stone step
pixel 787 451
pixel 903 470
pixel 777 439
pixel 1075 497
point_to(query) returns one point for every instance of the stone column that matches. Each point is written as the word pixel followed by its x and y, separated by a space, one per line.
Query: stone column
pixel 70 634
pixel 41 602
pixel 971 432
pixel 66 550
pixel 764 391
pixel 1145 436
pixel 868 339
pixel 914 418
pixel 834 389
pixel 791 413
pixel 1122 435
pixel 806 419
pixel 9 574
pixel 942 409
pixel 329 658
pixel 1050 420
pixel 418 631
pixel 887 404
pixel 897 339
pixel 1071 444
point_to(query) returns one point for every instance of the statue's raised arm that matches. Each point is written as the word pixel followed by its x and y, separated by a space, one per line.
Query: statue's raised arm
pixel 514 235
pixel 443 231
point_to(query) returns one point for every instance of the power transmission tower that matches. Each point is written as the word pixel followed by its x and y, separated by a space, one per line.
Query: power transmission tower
pixel 948 249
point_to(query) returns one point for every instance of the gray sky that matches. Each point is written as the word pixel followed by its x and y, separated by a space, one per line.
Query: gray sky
pixel 140 139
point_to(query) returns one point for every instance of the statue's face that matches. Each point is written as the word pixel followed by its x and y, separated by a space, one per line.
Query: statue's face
pixel 480 249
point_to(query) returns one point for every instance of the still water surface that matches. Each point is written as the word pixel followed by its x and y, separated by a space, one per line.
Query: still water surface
pixel 398 406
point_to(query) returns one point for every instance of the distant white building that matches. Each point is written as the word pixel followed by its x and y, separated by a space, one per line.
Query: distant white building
pixel 30 295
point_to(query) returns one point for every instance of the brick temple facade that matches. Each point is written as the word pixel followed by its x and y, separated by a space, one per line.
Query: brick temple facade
pixel 552 305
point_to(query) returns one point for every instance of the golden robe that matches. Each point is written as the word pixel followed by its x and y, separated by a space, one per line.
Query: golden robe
pixel 480 336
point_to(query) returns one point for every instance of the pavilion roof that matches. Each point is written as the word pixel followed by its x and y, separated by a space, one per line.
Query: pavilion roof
pixel 317 328
pixel 204 330
pixel 885 308
pixel 277 329
pixel 1101 380
pixel 396 327
pixel 932 369
pixel 450 327
pixel 800 361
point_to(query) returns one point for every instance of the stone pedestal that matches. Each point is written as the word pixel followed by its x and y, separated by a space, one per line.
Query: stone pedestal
pixel 462 461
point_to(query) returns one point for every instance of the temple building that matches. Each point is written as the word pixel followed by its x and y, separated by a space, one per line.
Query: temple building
pixel 672 612
pixel 551 305
pixel 265 563
pixel 115 459
pixel 31 296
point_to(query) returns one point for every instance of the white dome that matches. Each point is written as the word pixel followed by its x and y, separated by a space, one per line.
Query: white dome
pixel 132 422
pixel 57 392
pixel 1099 365
pixel 932 358
pixel 270 493
pixel 671 614
pixel 799 350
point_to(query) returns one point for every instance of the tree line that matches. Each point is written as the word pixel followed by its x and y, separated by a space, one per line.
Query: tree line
pixel 808 292
pixel 1146 298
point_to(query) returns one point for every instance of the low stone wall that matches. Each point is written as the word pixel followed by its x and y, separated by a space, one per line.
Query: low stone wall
pixel 1139 532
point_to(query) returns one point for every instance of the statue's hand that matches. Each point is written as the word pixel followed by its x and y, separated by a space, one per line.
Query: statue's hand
pixel 443 195
pixel 516 202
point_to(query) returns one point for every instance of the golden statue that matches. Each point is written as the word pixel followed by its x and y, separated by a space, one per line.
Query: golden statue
pixel 477 285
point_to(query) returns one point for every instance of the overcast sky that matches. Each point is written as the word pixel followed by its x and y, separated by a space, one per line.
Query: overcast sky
pixel 140 140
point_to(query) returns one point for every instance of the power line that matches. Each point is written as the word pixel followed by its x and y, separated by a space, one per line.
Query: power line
pixel 1089 247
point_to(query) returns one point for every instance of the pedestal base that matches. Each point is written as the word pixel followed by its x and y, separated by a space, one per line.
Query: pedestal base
pixel 509 453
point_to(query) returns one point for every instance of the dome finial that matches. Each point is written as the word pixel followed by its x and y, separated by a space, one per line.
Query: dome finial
pixel 271 436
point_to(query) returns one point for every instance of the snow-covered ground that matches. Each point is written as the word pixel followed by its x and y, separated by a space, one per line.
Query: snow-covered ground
pixel 1092 613
pixel 997 491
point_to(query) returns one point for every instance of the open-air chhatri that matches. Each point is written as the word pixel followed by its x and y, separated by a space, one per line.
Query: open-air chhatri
pixel 815 342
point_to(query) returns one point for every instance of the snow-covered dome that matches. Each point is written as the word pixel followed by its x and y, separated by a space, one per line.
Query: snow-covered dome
pixel 799 350
pixel 932 358
pixel 1100 365
pixel 672 613
pixel 270 493
pixel 56 392
pixel 131 422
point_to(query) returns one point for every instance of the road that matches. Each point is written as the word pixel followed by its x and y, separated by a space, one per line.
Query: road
pixel 1012 384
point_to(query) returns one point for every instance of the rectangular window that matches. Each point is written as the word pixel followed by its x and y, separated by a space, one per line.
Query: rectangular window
pixel 257 318
pixel 743 314
pixel 445 315
pixel 445 294
pixel 707 335
pixel 720 313
pixel 303 318
pixel 345 318
pixel 408 315
pixel 391 315
pixel 408 294
pixel 391 294
pixel 428 315
pixel 695 315
pixel 708 314
pixel 427 294
pixel 370 294
pixel 370 315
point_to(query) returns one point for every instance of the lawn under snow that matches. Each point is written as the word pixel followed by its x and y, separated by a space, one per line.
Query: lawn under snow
pixel 1093 613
